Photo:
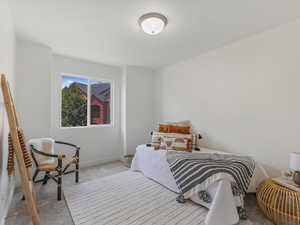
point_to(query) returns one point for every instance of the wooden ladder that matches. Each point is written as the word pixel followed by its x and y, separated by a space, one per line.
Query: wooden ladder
pixel 26 179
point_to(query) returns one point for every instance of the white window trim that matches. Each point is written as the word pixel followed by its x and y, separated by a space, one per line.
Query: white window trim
pixel 89 78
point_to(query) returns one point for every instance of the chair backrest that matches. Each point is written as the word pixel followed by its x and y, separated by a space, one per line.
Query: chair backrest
pixel 45 145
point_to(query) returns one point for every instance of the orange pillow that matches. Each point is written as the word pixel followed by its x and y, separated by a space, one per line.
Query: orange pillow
pixel 179 129
pixel 164 128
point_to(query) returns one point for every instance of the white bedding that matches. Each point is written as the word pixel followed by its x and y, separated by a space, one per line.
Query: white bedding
pixel 153 164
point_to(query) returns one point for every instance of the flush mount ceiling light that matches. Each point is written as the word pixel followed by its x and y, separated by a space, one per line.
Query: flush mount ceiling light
pixel 153 23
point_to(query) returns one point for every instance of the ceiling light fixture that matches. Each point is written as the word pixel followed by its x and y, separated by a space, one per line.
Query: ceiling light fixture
pixel 153 23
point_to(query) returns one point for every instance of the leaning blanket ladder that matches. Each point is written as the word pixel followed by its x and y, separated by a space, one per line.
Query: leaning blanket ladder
pixel 25 174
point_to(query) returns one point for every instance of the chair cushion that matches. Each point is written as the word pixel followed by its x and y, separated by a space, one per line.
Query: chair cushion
pixel 53 166
pixel 44 145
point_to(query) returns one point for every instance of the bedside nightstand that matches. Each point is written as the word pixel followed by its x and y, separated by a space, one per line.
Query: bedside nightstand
pixel 280 204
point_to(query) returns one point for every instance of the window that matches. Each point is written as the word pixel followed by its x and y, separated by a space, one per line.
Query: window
pixel 85 102
pixel 95 112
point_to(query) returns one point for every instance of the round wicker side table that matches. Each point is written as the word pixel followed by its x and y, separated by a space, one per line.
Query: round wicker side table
pixel 280 204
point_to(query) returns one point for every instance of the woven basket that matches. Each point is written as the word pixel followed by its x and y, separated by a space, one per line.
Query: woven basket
pixel 127 159
pixel 280 204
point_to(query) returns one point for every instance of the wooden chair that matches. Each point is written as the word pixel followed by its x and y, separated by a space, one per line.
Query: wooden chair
pixel 54 165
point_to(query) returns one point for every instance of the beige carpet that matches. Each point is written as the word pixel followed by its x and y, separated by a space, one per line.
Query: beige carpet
pixel 129 198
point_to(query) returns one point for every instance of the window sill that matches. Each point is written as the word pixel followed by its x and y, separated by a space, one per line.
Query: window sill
pixel 90 126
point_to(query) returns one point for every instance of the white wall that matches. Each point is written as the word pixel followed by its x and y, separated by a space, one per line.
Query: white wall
pixel 138 106
pixel 7 64
pixel 33 87
pixel 38 94
pixel 244 97
pixel 99 144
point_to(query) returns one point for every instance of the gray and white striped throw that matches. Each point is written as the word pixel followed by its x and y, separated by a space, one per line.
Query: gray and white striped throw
pixel 193 171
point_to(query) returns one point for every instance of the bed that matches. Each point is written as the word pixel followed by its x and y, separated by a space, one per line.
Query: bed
pixel 222 210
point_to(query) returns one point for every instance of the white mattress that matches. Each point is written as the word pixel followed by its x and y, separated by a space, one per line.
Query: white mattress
pixel 154 165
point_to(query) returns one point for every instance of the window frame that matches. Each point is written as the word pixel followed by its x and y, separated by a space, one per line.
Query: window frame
pixel 89 78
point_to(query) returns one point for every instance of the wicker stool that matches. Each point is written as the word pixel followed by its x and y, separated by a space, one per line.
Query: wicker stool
pixel 127 159
pixel 280 204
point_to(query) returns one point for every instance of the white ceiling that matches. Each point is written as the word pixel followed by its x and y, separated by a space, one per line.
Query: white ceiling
pixel 107 31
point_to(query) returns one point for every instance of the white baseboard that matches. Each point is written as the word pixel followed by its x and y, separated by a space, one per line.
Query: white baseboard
pixel 85 164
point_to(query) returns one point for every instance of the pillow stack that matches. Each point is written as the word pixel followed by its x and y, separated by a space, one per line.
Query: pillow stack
pixel 174 136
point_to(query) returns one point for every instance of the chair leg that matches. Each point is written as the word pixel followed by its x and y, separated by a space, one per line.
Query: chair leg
pixel 59 179
pixel 46 178
pixel 77 173
pixel 35 175
pixel 59 188
pixel 77 167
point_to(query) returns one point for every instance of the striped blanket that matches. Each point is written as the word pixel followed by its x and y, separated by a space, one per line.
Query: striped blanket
pixel 194 172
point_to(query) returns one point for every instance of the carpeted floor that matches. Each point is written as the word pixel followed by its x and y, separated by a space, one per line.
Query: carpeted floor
pixel 53 212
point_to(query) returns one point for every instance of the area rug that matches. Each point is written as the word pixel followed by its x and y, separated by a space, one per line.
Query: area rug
pixel 128 198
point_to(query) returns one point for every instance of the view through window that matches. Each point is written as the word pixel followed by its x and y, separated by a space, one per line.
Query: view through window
pixel 85 102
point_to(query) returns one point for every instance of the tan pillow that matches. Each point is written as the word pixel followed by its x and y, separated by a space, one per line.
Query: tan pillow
pixel 176 143
pixel 186 123
pixel 179 129
pixel 156 138
pixel 157 147
pixel 167 143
